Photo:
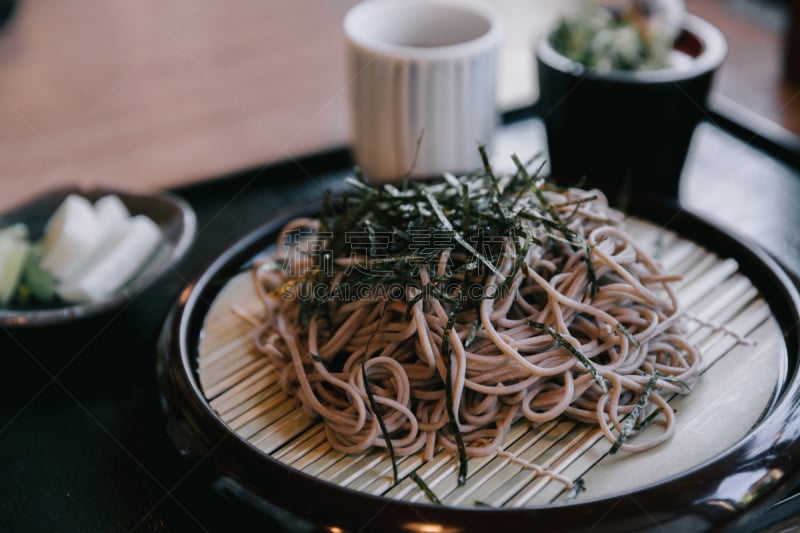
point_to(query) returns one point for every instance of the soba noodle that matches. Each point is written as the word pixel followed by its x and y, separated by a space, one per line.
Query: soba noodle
pixel 544 333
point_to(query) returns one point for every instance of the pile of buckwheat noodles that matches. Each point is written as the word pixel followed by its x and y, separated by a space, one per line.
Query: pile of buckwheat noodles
pixel 526 326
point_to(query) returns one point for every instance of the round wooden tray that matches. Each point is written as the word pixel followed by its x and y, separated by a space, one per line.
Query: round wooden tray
pixel 736 451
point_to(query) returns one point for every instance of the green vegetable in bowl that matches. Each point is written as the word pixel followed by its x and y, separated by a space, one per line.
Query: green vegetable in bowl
pixel 604 40
pixel 15 248
pixel 36 282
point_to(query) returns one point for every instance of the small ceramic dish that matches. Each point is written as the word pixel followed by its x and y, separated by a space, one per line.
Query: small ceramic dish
pixel 174 217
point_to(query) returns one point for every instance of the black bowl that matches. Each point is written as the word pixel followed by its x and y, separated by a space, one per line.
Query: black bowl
pixel 174 217
pixel 627 131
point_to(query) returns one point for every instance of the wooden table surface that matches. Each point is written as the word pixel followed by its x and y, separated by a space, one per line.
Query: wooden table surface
pixel 151 94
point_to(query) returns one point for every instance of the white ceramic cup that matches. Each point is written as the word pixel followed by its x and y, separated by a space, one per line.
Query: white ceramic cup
pixel 422 85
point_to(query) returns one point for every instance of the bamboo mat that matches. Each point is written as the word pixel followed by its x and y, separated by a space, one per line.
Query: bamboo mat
pixel 241 386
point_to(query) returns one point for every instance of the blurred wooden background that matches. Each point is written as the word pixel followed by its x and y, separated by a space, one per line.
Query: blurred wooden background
pixel 149 94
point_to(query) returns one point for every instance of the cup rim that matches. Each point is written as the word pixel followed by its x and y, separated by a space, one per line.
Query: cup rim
pixel 714 50
pixel 483 42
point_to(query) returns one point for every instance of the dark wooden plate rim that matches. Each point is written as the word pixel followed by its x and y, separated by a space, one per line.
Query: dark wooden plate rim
pixel 751 475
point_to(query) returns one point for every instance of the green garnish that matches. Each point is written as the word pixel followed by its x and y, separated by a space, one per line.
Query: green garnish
pixel 683 384
pixel 473 332
pixel 577 487
pixel 630 422
pixel 564 343
pixel 404 230
pixel 373 405
pixel 625 331
pixel 458 237
pixel 649 420
pixel 448 398
pixel 573 239
pixel 425 488
pixel 578 202
pixel 538 191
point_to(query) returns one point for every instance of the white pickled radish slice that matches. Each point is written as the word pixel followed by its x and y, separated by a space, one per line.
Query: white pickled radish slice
pixel 70 234
pixel 133 244
pixel 112 218
pixel 111 213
